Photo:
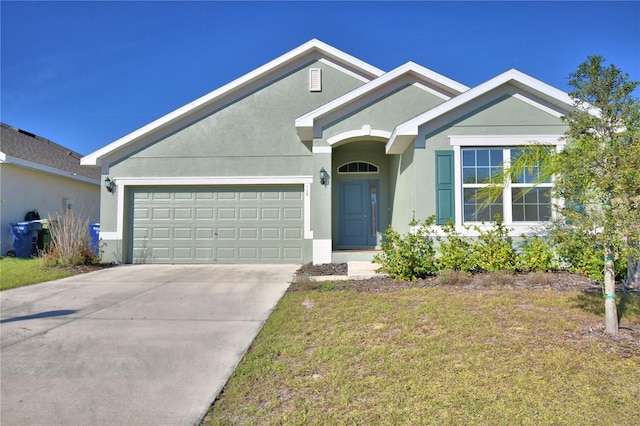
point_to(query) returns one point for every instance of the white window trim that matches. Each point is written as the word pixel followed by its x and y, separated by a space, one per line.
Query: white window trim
pixel 475 141
pixel 122 184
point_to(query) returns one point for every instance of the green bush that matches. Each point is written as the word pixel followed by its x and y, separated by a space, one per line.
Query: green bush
pixel 408 257
pixel 455 251
pixel 493 250
pixel 537 255
pixel 579 252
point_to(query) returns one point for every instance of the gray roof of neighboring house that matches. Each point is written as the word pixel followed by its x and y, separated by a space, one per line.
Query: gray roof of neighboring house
pixel 36 149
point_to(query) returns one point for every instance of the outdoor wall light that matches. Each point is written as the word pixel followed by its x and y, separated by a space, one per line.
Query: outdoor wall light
pixel 108 183
pixel 323 176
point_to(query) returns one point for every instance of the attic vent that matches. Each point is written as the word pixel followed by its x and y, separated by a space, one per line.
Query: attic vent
pixel 315 80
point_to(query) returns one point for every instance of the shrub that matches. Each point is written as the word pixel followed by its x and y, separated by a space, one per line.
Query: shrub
pixel 455 251
pixel 70 243
pixel 408 257
pixel 579 252
pixel 537 255
pixel 493 250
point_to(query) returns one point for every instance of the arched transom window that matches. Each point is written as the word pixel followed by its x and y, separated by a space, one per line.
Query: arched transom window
pixel 358 167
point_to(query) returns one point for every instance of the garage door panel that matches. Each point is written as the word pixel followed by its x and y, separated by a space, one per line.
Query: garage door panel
pixel 291 254
pixel 227 196
pixel 161 196
pixel 218 225
pixel 270 233
pixel 183 233
pixel 292 234
pixel 160 213
pixel 204 253
pixel 248 195
pixel 141 213
pixel 245 213
pixel 205 213
pixel 161 233
pixel 204 233
pixel 248 234
pixel 226 214
pixel 270 213
pixel 292 213
pixel 183 213
pixel 226 234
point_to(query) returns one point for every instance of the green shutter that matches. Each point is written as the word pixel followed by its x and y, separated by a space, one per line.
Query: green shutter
pixel 445 201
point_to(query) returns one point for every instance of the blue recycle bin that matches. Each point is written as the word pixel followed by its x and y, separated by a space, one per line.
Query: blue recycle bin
pixel 24 236
pixel 94 231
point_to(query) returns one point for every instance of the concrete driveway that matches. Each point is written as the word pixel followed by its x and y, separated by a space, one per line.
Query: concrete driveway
pixel 130 345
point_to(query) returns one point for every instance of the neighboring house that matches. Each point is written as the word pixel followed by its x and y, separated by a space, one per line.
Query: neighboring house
pixel 313 155
pixel 37 174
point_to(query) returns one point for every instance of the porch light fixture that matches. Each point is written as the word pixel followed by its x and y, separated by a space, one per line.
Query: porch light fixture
pixel 108 183
pixel 323 176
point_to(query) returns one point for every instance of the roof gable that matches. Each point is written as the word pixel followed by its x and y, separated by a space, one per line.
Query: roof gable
pixel 546 97
pixel 313 49
pixel 426 79
pixel 26 149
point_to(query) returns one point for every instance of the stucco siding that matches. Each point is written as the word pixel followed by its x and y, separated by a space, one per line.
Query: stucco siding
pixel 383 113
pixel 252 136
pixel 403 189
pixel 22 190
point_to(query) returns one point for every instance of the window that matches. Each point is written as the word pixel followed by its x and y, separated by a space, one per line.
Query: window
pixel 358 167
pixel 520 202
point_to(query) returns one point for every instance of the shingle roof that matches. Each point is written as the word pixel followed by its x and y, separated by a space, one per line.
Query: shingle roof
pixel 36 149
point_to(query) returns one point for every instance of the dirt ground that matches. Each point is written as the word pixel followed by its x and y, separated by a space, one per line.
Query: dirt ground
pixel 625 343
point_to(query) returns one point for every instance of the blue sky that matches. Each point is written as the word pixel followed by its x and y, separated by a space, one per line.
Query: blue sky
pixel 85 73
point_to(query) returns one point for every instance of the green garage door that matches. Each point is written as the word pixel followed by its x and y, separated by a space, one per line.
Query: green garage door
pixel 217 225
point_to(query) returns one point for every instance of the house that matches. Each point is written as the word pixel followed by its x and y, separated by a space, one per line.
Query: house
pixel 38 174
pixel 313 155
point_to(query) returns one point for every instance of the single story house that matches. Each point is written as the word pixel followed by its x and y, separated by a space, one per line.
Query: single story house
pixel 310 157
pixel 38 174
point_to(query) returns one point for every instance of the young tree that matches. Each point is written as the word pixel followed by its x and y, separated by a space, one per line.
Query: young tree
pixel 597 174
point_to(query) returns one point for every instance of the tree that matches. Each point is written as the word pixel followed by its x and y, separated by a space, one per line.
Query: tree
pixel 597 174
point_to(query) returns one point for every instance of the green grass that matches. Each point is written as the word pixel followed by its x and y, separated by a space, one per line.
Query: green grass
pixel 15 272
pixel 434 356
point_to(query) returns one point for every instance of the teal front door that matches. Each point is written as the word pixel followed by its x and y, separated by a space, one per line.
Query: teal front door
pixel 357 214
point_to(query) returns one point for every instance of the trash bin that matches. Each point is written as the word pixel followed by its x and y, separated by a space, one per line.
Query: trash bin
pixel 44 237
pixel 24 236
pixel 94 231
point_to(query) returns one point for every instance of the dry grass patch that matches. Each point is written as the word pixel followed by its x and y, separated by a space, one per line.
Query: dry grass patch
pixel 433 356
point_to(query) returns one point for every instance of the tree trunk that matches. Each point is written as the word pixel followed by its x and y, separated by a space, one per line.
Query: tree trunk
pixel 610 310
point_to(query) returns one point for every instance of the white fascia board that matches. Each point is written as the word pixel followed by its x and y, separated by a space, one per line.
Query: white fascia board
pixel 95 157
pixel 213 180
pixel 304 124
pixel 46 169
pixel 437 79
pixel 513 76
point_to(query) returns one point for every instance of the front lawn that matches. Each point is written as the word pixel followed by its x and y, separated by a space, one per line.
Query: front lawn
pixel 16 272
pixel 438 356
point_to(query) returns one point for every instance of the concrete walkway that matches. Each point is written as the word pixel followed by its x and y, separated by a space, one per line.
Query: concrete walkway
pixel 130 345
